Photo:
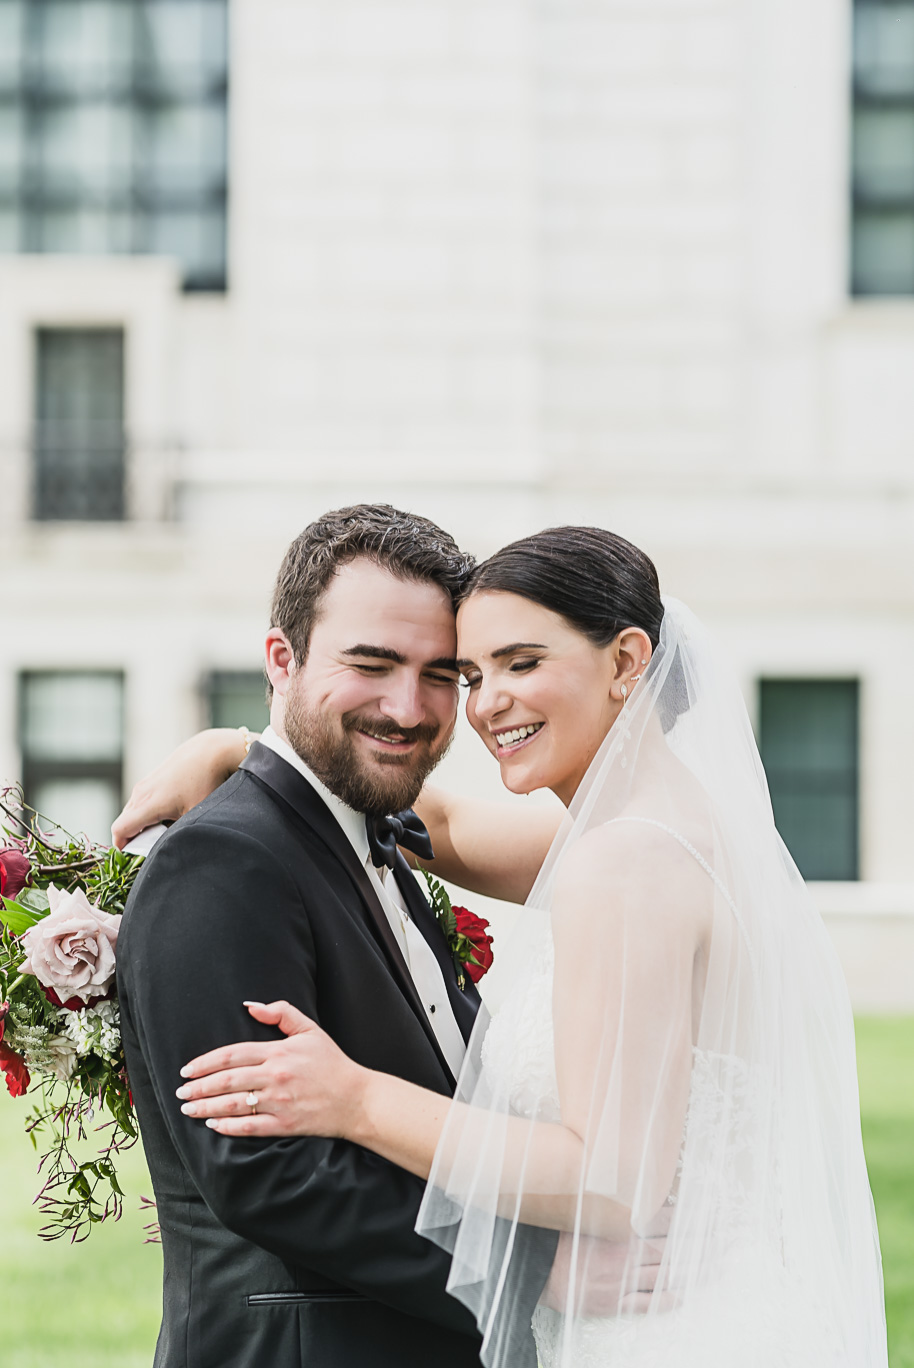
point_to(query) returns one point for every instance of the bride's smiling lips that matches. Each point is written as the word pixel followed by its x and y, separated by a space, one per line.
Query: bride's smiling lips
pixel 510 740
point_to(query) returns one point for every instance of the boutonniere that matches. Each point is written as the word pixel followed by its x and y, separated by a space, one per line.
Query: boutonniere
pixel 466 934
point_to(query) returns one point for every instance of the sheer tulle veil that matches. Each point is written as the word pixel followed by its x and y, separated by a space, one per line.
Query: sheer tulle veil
pixel 673 1067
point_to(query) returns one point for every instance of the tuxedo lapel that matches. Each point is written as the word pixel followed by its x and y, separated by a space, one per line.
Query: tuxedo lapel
pixel 293 788
pixel 465 1002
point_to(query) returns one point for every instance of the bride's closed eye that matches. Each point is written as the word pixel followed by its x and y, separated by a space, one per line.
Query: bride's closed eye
pixel 472 680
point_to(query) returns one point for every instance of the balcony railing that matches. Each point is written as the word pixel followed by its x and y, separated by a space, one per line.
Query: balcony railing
pixel 79 472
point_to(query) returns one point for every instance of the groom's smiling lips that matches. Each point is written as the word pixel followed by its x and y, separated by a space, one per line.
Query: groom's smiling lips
pixel 396 743
pixel 390 739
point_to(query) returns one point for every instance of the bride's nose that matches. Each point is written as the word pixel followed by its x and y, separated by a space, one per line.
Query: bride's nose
pixel 490 699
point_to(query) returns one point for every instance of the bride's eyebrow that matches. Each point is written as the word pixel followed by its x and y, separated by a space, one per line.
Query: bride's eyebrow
pixel 505 651
pixel 518 646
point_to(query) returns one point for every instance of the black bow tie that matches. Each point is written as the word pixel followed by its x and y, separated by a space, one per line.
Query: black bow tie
pixel 403 829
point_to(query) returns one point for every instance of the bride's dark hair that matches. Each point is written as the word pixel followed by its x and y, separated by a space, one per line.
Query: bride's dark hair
pixel 596 580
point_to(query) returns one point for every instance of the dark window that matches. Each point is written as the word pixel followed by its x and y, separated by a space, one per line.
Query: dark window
pixel 113 130
pixel 237 698
pixel 79 425
pixel 71 736
pixel 882 245
pixel 808 732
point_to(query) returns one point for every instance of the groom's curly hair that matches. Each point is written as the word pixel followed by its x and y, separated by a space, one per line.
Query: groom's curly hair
pixel 409 546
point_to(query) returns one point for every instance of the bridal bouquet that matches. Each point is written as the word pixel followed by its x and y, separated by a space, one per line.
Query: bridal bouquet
pixel 60 1043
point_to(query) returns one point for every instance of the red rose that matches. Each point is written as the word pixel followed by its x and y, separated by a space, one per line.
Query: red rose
pixel 18 1077
pixel 74 1004
pixel 12 1064
pixel 474 928
pixel 14 872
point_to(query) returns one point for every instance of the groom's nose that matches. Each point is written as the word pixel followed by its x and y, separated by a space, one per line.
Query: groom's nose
pixel 402 701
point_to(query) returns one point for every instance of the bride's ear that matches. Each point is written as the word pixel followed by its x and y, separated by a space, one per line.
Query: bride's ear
pixel 633 651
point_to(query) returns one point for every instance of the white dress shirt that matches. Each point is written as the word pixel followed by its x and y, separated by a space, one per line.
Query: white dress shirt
pixel 418 954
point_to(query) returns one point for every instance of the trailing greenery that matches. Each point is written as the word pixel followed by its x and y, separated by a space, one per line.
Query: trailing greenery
pixel 92 1305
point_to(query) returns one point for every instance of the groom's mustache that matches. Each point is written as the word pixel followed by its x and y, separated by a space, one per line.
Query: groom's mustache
pixel 388 730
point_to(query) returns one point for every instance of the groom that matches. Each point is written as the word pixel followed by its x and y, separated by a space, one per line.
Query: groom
pixel 290 1252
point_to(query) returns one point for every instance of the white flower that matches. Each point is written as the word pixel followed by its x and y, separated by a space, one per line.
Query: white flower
pixel 94 1030
pixel 61 1057
pixel 45 1053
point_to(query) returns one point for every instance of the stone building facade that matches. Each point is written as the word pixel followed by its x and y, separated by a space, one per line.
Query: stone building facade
pixel 641 263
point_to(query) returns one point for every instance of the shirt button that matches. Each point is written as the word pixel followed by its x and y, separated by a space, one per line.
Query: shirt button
pixel 432 1007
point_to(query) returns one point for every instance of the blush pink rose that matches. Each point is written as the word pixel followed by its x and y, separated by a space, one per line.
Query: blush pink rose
pixel 72 949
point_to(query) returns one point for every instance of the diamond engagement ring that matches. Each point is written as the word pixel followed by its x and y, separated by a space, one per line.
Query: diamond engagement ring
pixel 251 1101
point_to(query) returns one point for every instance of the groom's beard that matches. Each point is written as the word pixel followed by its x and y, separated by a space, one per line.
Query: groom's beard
pixel 378 787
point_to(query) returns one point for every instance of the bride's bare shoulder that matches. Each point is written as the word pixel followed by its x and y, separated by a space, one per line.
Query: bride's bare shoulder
pixel 637 865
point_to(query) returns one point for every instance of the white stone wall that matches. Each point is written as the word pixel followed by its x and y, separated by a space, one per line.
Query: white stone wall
pixel 509 263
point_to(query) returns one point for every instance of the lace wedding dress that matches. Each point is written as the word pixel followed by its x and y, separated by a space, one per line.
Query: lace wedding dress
pixel 754 1313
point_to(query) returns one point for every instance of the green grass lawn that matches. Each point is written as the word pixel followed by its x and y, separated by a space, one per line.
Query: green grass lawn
pixel 96 1305
pixel 93 1305
pixel 885 1065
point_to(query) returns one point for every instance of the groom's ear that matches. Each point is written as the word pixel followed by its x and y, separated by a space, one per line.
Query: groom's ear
pixel 280 660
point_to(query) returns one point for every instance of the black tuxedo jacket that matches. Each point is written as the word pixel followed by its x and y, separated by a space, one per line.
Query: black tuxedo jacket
pixel 287 1253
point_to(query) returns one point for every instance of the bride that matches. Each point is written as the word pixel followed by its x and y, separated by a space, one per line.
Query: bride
pixel 673 1064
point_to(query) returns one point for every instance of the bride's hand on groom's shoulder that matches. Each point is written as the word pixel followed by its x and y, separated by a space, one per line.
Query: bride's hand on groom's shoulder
pixel 303 1085
pixel 185 778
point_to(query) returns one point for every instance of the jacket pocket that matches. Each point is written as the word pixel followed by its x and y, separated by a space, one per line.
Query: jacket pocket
pixel 301 1298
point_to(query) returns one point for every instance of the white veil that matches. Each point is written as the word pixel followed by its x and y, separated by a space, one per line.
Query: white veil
pixel 674 1057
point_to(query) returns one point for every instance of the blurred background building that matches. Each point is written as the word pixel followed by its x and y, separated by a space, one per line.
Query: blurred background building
pixel 507 263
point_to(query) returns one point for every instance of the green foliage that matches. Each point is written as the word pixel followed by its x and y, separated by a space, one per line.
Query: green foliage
pixel 17 917
pixel 109 883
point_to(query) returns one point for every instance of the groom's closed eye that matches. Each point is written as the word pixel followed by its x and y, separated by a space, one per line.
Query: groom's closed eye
pixel 442 670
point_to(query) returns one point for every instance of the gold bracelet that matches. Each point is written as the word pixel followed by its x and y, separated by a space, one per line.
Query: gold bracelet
pixel 248 737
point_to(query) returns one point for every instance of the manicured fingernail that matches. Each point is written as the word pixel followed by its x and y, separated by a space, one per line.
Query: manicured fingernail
pixel 185 1072
pixel 183 1092
pixel 253 1004
pixel 212 1123
pixel 188 1108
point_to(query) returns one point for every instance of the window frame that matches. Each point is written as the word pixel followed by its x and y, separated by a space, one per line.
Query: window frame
pixel 39 770
pixel 821 778
pixel 867 202
pixel 209 693
pixel 49 457
pixel 33 92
